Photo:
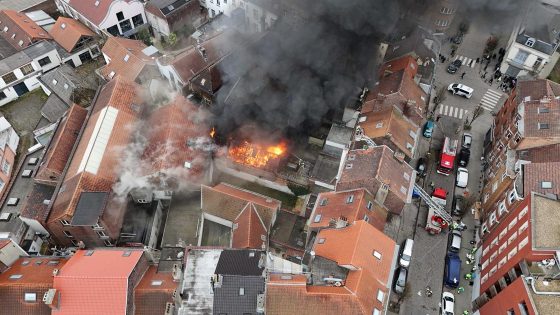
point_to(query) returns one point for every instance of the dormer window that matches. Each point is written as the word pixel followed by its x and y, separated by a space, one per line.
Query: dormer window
pixel 530 42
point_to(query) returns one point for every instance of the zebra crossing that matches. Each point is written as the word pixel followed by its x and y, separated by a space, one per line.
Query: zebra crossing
pixel 490 99
pixel 469 62
pixel 451 111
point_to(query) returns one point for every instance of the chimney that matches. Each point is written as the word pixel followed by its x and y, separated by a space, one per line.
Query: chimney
pixel 51 298
pixel 381 194
pixel 176 272
pixel 332 223
pixel 169 308
pixel 260 303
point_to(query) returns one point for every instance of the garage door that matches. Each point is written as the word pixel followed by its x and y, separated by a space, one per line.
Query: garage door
pixel 21 88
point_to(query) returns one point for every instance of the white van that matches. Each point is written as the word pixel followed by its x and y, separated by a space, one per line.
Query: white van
pixel 462 177
pixel 406 254
pixel 460 89
pixel 455 241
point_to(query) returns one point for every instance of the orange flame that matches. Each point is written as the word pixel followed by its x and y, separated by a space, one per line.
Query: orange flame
pixel 212 132
pixel 255 154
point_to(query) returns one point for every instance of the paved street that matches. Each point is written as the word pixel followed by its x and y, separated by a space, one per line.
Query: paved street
pixel 429 252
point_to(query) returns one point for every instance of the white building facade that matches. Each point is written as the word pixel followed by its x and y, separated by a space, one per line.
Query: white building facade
pixel 116 17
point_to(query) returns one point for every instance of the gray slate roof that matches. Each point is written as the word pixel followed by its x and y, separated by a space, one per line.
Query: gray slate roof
pixel 25 56
pixel 19 5
pixel 54 108
pixel 228 300
pixel 89 208
pixel 243 262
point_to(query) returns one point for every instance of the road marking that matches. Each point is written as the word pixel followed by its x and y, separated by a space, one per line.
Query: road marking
pixel 469 62
pixel 452 111
pixel 490 99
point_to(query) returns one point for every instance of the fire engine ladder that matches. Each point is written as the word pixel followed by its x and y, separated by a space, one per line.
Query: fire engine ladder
pixel 432 204
pixel 361 136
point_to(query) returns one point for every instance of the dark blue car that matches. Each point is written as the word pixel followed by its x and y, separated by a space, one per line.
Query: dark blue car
pixel 452 274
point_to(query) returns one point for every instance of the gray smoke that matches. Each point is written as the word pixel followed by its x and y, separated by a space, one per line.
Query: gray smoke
pixel 310 64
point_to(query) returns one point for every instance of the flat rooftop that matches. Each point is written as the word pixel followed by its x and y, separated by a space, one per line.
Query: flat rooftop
pixel 545 222
pixel 198 296
pixel 546 304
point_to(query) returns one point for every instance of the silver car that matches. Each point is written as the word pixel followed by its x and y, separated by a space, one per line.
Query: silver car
pixel 401 281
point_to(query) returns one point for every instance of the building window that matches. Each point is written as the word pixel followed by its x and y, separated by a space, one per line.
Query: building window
pixel 369 205
pixel 324 201
pixel 108 243
pixel 546 185
pixel 543 110
pixel 30 297
pixel 113 30
pixel 512 223
pixel 511 197
pixel 65 222
pixel 44 61
pixel 67 234
pixel 523 227
pixel 9 77
pixel 380 295
pixel 523 212
pixel 120 16
pixel 523 308
pixel 530 42
pixel 366 218
pixel 5 167
pixel 317 218
pixel 537 63
pixel 521 57
pixel 20 43
pixel 512 253
pixel 27 69
pixel 2 95
pixel 502 248
pixel 512 238
pixel 510 312
pixel 543 126
pixel 350 199
pixel 125 26
pixel 75 243
pixel 502 262
pixel 137 20
pixel 502 209
pixel 377 254
pixel 503 233
pixel 523 242
pixel 101 234
pixel 321 241
pixel 484 265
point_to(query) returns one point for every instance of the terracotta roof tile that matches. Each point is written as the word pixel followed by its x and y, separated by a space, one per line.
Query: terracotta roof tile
pixel 94 13
pixel 250 229
pixel 535 173
pixel 369 168
pixel 36 278
pixel 227 202
pixel 60 147
pixel 172 128
pixel 24 29
pixel 191 62
pixel 67 32
pixel 337 205
pixel 391 126
pixel 96 284
pixel 117 48
pixel 352 245
pixel 35 207
pixel 120 95
pixel 150 298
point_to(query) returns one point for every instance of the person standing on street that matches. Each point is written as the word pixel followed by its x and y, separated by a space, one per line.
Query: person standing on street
pixel 462 75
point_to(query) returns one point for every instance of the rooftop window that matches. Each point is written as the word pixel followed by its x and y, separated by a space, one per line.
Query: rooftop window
pixel 321 241
pixel 157 282
pixel 15 277
pixel 543 126
pixel 350 199
pixel 30 297
pixel 377 254
pixel 546 185
pixel 63 25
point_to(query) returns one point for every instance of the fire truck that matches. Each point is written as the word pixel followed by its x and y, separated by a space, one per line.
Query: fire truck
pixel 437 220
pixel 447 158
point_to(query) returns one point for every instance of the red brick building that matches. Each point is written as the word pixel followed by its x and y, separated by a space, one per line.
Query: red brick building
pixel 523 243
pixel 19 30
pixel 378 170
pixel 83 208
pixel 351 274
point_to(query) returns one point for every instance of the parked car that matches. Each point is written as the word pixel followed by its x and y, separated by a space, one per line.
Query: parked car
pixel 406 254
pixel 458 206
pixel 447 303
pixel 400 283
pixel 464 156
pixel 454 66
pixel 421 167
pixel 428 129
pixel 462 177
pixel 460 89
pixel 456 238
pixel 452 274
pixel 467 140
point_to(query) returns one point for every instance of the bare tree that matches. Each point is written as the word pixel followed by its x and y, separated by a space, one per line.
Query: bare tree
pixel 476 113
